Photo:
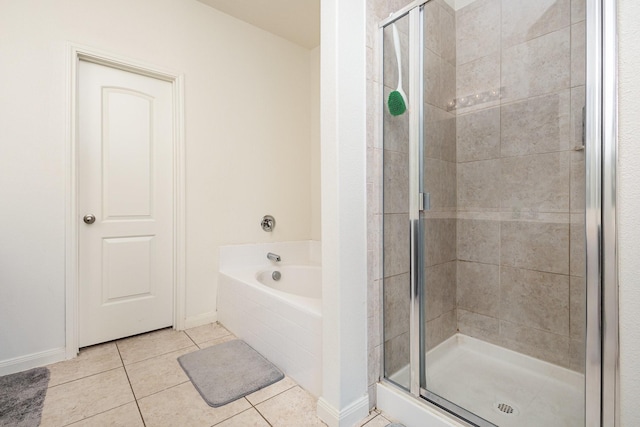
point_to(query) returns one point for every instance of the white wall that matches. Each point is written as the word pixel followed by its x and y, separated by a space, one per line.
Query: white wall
pixel 629 210
pixel 315 144
pixel 344 399
pixel 247 119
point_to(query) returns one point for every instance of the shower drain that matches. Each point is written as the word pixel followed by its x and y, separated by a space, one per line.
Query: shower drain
pixel 505 408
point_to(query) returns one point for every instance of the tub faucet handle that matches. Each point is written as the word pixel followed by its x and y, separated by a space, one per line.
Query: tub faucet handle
pixel 268 223
pixel 273 257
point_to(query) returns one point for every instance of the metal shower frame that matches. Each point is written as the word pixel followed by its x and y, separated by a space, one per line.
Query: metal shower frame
pixel 602 355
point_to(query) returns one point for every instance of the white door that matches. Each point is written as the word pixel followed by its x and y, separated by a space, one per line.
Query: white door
pixel 125 181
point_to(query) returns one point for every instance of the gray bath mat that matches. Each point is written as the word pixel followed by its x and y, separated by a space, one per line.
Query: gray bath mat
pixel 22 396
pixel 228 371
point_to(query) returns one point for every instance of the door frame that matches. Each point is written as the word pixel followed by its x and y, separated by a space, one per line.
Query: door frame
pixel 75 53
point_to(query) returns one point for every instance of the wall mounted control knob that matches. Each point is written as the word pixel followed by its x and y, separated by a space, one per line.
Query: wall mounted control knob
pixel 268 223
pixel 89 219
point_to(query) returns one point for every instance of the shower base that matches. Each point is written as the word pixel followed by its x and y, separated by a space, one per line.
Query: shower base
pixel 504 387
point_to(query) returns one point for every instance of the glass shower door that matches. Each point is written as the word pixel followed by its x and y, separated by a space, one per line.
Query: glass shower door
pixel 503 259
pixel 396 219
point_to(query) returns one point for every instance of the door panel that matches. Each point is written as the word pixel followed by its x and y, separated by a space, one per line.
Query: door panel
pixel 126 180
pixel 127 153
pixel 126 268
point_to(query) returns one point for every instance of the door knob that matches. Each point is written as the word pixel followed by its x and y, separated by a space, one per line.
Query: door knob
pixel 89 219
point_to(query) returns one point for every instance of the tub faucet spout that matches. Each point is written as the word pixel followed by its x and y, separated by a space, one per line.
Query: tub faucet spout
pixel 273 257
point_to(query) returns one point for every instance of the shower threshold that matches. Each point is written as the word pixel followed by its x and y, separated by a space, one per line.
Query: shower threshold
pixel 502 386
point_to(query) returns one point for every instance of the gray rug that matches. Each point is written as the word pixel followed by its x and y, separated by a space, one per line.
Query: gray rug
pixel 22 396
pixel 228 371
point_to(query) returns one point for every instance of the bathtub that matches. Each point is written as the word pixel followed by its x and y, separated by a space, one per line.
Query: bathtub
pixel 281 319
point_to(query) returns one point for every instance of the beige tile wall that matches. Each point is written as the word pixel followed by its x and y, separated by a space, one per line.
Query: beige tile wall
pixel 520 246
pixel 440 170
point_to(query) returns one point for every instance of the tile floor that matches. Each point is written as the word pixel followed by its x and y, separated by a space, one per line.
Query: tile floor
pixel 137 381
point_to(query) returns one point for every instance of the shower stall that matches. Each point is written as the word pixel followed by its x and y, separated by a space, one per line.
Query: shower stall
pixel 494 212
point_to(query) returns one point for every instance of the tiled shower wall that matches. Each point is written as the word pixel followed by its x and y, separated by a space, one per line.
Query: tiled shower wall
pixel 520 248
pixel 440 171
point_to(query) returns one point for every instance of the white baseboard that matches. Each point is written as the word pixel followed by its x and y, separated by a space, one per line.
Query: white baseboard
pixel 346 417
pixel 201 319
pixel 33 360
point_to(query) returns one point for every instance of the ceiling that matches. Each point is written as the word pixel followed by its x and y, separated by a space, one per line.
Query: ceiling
pixel 295 20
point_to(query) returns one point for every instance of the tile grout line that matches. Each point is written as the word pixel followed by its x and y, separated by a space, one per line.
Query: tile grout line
pixel 262 415
pixel 258 410
pixel 161 355
pixel 86 376
pixel 189 336
pixel 275 395
pixel 371 420
pixel 164 389
pixel 239 413
pixel 95 415
pixel 215 339
pixel 135 398
pixel 148 334
pixel 230 417
pixel 157 355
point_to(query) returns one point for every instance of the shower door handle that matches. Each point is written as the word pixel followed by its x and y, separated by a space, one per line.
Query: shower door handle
pixel 584 131
pixel 424 202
